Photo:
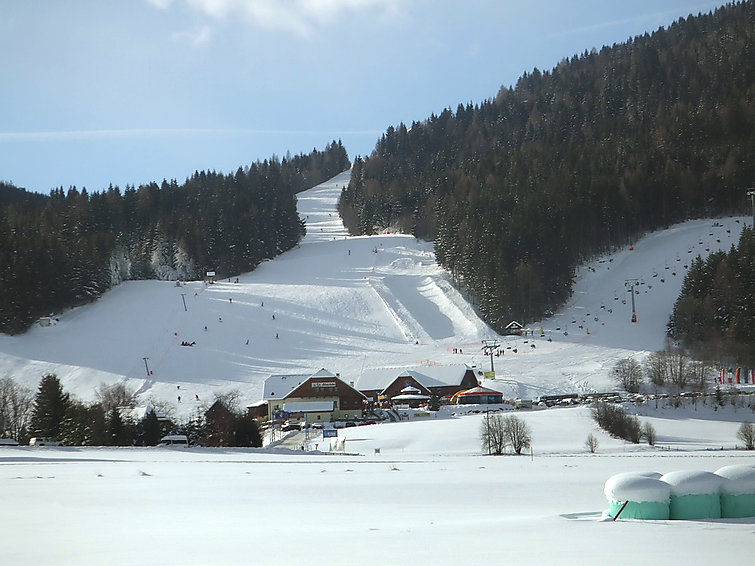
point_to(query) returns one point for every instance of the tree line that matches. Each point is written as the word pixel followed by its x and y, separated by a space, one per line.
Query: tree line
pixel 519 189
pixel 68 248
pixel 714 313
pixel 53 413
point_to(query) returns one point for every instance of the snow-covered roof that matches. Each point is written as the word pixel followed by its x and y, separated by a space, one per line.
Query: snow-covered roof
pixel 138 412
pixel 308 406
pixel 410 397
pixel 479 390
pixel 279 386
pixel 428 376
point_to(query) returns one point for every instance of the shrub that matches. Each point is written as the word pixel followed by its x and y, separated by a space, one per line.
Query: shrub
pixel 614 420
pixel 746 434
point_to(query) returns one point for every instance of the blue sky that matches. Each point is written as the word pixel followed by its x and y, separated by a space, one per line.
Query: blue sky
pixel 133 91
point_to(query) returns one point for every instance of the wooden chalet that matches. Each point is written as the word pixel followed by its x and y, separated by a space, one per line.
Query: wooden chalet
pixel 320 397
pixel 385 383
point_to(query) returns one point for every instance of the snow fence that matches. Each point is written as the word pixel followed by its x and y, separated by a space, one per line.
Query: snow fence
pixel 689 494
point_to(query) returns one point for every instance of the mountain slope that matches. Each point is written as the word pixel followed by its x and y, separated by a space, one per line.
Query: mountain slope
pixel 349 304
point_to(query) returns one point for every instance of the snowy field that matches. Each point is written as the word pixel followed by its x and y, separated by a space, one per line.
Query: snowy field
pixel 428 496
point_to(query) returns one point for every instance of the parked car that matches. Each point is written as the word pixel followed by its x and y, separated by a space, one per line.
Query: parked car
pixel 8 442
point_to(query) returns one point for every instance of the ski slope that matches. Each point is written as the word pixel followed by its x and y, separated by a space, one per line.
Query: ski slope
pixel 349 304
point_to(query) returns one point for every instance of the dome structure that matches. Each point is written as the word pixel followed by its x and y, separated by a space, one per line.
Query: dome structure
pixel 641 495
pixel 695 494
pixel 737 491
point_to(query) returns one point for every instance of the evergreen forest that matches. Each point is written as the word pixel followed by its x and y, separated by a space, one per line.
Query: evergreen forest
pixel 568 163
pixel 715 311
pixel 68 248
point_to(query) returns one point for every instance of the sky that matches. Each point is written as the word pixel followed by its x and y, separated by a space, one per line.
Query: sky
pixel 127 92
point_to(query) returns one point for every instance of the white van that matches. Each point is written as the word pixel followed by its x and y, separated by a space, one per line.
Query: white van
pixel 174 440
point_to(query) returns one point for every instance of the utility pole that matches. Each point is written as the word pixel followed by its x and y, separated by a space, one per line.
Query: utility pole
pixel 489 347
pixel 632 283
pixel 183 298
pixel 751 194
pixel 146 366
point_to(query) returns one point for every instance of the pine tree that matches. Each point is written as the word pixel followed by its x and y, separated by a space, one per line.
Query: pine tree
pixel 50 406
pixel 151 429
pixel 116 429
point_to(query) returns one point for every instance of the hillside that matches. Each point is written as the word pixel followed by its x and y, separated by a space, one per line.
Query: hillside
pixel 349 304
pixel 519 189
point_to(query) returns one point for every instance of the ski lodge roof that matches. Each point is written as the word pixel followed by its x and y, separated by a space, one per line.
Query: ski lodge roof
pixel 428 376
pixel 279 386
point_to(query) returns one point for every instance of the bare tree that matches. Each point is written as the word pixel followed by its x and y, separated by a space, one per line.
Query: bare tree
pixel 491 434
pixel 700 376
pixel 628 374
pixel 591 443
pixel 517 433
pixel 16 402
pixel 230 399
pixel 648 431
pixel 113 396
pixel 679 369
pixel 746 434
pixel 656 370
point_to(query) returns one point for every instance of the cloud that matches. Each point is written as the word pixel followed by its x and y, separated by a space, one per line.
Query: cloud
pixel 303 18
pixel 161 4
pixel 197 37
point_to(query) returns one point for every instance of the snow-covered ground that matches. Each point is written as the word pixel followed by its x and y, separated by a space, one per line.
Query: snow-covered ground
pixel 349 304
pixel 428 497
pixel 418 492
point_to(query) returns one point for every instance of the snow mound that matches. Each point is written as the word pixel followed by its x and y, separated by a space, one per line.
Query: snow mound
pixel 639 487
pixel 693 482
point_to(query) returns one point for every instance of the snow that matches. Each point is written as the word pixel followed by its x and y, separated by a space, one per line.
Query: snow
pixel 637 487
pixel 429 496
pixel 692 482
pixel 413 492
pixel 353 305
pixel 739 479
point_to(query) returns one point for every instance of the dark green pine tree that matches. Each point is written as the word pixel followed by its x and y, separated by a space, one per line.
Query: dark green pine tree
pixel 50 406
pixel 116 429
pixel 247 432
pixel 151 429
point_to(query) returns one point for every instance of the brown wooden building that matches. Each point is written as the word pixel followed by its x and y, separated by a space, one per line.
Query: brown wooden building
pixel 321 397
pixel 385 383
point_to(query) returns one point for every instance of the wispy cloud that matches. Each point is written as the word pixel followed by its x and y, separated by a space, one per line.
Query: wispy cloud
pixel 196 37
pixel 303 18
